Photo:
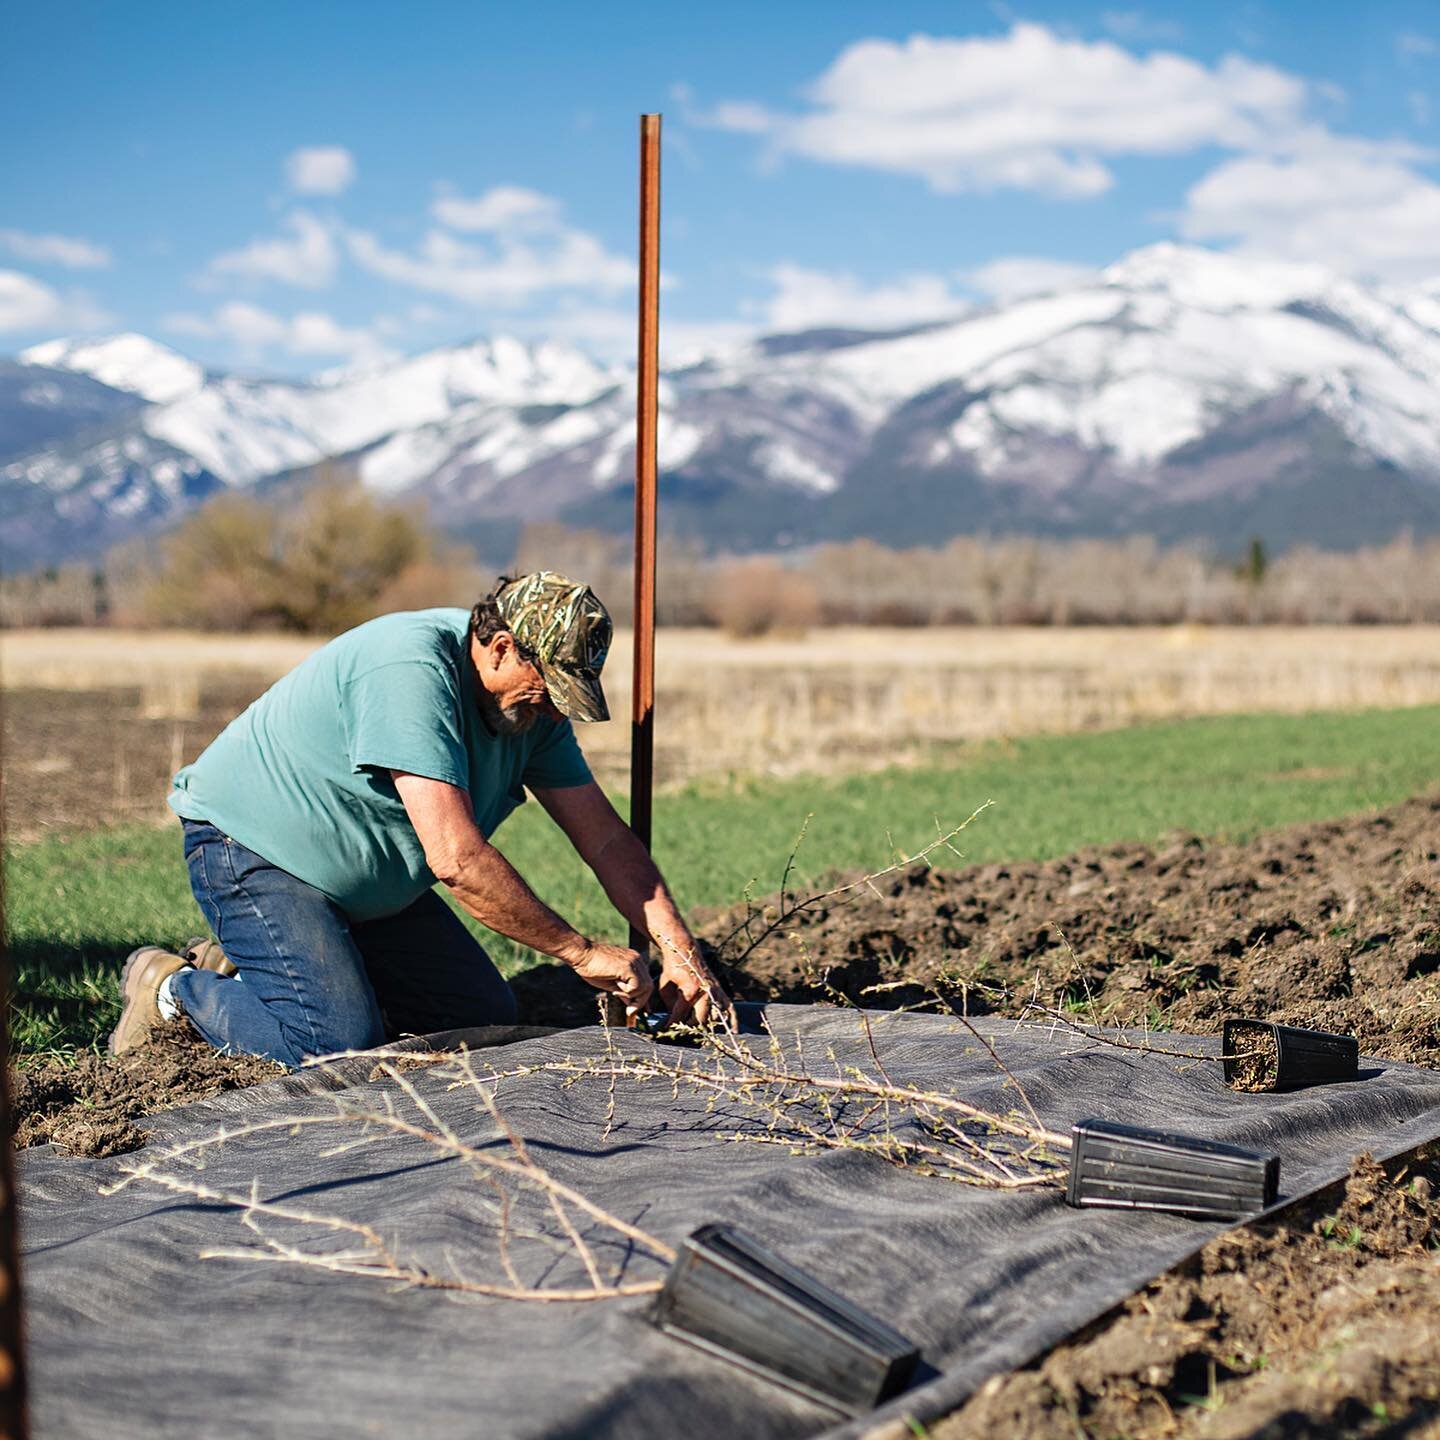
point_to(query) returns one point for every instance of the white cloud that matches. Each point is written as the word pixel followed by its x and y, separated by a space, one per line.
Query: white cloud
pixel 255 332
pixel 67 250
pixel 807 299
pixel 528 251
pixel 1030 110
pixel 610 333
pixel 1015 276
pixel 415 318
pixel 1136 25
pixel 502 208
pixel 306 258
pixel 1352 205
pixel 320 170
pixel 744 117
pixel 27 304
pixel 802 299
pixel 1410 43
pixel 1419 103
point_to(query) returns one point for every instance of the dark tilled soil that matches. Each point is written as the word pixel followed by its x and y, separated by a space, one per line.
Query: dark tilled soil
pixel 1334 925
pixel 78 759
pixel 91 1107
pixel 1323 1324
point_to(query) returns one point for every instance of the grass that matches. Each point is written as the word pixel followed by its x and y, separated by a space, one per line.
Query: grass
pixel 77 904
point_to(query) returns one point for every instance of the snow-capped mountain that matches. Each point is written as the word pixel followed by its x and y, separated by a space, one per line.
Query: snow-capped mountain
pixel 124 362
pixel 1181 392
pixel 243 430
pixel 40 408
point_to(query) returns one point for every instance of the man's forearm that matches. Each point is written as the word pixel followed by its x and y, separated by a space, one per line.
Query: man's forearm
pixel 492 890
pixel 635 887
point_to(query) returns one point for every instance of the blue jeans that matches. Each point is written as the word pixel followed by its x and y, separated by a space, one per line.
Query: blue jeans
pixel 312 981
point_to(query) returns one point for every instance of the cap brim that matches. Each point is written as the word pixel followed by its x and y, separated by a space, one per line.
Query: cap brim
pixel 576 693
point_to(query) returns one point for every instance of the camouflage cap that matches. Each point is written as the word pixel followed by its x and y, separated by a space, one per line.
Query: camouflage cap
pixel 564 625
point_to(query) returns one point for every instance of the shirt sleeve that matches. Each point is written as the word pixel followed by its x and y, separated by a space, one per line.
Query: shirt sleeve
pixel 556 762
pixel 405 716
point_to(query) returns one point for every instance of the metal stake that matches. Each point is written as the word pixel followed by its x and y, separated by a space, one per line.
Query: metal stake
pixel 642 733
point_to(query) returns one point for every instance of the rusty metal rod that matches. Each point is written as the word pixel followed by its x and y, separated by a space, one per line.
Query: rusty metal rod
pixel 642 715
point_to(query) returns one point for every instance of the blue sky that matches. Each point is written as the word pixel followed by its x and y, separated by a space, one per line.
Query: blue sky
pixel 290 187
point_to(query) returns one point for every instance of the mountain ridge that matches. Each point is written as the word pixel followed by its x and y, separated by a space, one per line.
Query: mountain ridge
pixel 1180 391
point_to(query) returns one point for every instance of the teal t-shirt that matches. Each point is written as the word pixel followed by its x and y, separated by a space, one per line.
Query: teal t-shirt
pixel 302 777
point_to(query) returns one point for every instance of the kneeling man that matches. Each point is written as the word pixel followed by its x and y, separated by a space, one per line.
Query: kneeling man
pixel 317 823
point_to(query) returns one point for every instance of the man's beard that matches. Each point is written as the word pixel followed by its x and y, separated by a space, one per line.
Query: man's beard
pixel 504 719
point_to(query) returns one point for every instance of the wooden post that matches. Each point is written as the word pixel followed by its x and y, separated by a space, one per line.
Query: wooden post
pixel 642 716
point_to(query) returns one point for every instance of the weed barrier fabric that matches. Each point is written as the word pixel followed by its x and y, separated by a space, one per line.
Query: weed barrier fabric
pixel 132 1333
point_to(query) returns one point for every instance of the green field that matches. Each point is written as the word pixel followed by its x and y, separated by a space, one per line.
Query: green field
pixel 77 904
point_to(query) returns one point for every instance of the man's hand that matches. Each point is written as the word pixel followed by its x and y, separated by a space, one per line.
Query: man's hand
pixel 689 991
pixel 616 969
pixel 638 891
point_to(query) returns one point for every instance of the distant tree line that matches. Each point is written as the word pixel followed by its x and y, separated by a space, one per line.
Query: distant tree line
pixel 318 566
pixel 339 556
pixel 979 580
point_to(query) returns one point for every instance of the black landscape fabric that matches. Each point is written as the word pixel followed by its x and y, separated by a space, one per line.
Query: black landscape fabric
pixel 133 1333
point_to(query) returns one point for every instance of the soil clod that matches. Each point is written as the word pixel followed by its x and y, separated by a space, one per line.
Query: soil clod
pixel 1331 926
pixel 90 1107
pixel 1322 1322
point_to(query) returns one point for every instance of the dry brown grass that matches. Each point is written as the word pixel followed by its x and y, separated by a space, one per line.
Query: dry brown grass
pixel 101 658
pixel 845 698
pixel 854 698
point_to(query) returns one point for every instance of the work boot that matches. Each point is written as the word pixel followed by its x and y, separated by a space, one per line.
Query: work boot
pixel 205 954
pixel 146 969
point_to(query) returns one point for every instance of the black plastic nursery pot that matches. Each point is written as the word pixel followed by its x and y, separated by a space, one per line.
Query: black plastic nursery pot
pixel 1260 1055
pixel 729 1295
pixel 1122 1167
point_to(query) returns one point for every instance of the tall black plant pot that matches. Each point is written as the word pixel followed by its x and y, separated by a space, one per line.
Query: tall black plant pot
pixel 734 1298
pixel 1260 1055
pixel 1122 1167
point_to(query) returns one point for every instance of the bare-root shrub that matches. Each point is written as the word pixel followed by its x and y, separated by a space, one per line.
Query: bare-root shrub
pixel 779 1093
pixel 61 595
pixel 682 582
pixel 775 1091
pixel 336 558
pixel 534 1216
pixel 761 597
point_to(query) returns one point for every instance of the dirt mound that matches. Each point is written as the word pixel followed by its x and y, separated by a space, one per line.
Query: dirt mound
pixel 1334 925
pixel 1323 1323
pixel 90 1107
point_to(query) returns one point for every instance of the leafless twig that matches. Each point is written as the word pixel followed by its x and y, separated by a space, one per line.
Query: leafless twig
pixel 796 1104
pixel 789 907
pixel 509 1174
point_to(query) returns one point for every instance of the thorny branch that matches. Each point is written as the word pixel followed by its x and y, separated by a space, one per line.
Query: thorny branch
pixel 929 1132
pixel 510 1174
pixel 804 1108
pixel 1053 1018
pixel 789 907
